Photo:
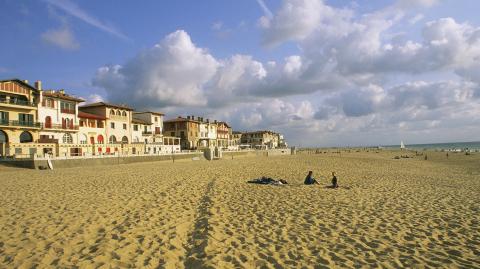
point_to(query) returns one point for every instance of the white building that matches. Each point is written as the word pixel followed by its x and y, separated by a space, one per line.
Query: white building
pixel 207 133
pixel 58 112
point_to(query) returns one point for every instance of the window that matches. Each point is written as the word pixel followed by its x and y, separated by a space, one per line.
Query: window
pixel 172 133
pixel 100 139
pixel 156 119
pixel 67 139
pixel 3 137
pixel 25 118
pixel 182 134
pixel 135 127
pixel 48 122
pixel 99 124
pixel 124 126
pixel 50 103
pixel 118 113
pixel 124 114
pixel 112 139
pixel 125 140
pixel 112 112
pixel 67 107
pixel 83 139
pixel 112 125
pixel 3 117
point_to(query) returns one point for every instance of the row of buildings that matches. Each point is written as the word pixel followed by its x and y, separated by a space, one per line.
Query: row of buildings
pixel 34 121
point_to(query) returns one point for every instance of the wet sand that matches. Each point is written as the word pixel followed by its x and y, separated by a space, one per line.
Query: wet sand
pixel 194 214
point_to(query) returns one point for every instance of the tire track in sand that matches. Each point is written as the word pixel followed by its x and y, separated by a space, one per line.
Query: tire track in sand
pixel 196 255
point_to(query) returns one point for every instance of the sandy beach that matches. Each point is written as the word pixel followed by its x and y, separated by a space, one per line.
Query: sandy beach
pixel 196 214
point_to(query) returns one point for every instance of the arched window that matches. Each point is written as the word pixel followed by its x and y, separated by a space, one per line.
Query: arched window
pixel 83 139
pixel 112 112
pixel 100 139
pixel 48 122
pixel 125 140
pixel 3 137
pixel 67 139
pixel 26 137
pixel 118 113
pixel 112 139
pixel 124 114
pixel 136 139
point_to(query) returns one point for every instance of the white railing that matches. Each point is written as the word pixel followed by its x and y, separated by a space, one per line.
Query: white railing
pixel 114 155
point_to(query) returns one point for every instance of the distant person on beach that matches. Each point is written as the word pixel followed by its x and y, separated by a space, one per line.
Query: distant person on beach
pixel 334 181
pixel 309 180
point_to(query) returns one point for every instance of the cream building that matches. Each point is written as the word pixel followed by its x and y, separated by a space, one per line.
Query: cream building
pixel 92 132
pixel 118 130
pixel 260 139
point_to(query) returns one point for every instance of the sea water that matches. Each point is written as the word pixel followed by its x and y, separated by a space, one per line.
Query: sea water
pixel 457 146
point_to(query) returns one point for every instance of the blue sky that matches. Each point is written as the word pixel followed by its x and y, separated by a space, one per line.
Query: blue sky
pixel 322 72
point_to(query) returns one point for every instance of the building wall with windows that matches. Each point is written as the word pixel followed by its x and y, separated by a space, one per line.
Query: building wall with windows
pixel 187 129
pixel 19 124
pixel 117 124
pixel 58 112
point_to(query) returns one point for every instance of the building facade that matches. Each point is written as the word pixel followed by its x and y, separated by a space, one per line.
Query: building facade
pixel 223 134
pixel 187 129
pixel 118 125
pixel 19 125
pixel 260 139
pixel 58 112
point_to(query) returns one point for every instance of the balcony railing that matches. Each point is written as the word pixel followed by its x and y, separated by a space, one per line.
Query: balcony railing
pixel 67 111
pixel 60 127
pixel 20 123
pixel 17 102
pixel 146 132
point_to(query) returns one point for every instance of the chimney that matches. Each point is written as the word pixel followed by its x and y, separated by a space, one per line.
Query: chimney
pixel 199 119
pixel 215 121
pixel 208 120
pixel 25 81
pixel 62 91
pixel 38 85
pixel 188 117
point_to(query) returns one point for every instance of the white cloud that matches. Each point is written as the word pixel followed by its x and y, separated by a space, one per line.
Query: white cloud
pixel 61 37
pixel 416 18
pixel 173 72
pixel 265 9
pixel 355 78
pixel 74 10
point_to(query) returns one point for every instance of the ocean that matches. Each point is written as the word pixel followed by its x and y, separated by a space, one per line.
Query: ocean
pixel 441 146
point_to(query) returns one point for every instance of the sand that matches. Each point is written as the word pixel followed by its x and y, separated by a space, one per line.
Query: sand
pixel 200 214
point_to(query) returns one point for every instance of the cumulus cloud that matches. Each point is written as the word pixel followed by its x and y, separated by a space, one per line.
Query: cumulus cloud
pixel 62 37
pixel 173 72
pixel 352 73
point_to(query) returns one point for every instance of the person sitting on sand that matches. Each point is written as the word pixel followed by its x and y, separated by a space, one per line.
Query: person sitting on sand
pixel 334 181
pixel 309 180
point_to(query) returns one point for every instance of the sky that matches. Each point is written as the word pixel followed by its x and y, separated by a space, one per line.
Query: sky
pixel 323 73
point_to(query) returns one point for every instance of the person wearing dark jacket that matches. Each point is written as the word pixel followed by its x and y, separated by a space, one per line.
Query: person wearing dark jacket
pixel 309 180
pixel 334 181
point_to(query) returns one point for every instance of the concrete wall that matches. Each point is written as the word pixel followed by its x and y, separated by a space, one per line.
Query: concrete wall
pixel 279 152
pixel 90 162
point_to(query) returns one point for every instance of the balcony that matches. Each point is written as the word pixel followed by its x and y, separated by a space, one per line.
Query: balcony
pixel 48 140
pixel 17 123
pixel 67 111
pixel 59 127
pixel 17 102
pixel 147 133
